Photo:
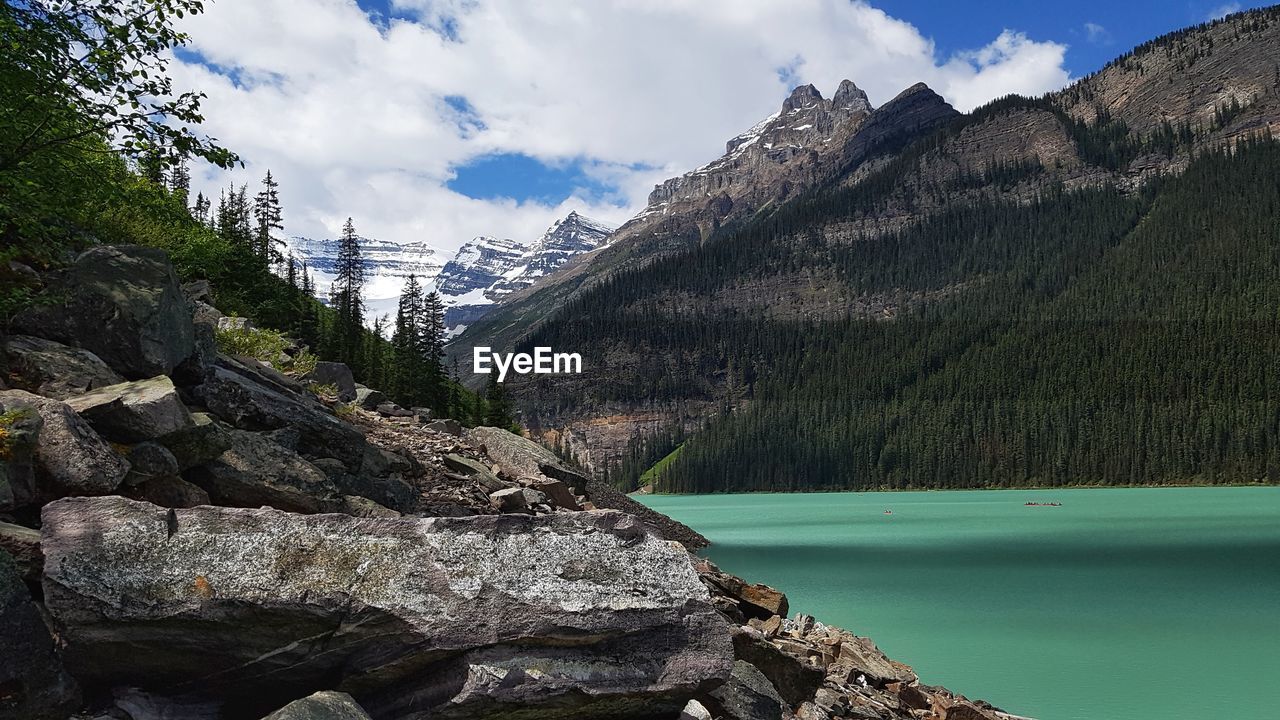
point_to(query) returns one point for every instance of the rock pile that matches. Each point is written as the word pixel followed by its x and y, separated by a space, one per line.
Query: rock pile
pixel 187 534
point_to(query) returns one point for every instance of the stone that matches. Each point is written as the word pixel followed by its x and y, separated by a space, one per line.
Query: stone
pixel 364 507
pixel 336 374
pixel 134 411
pixel 747 695
pixel 249 405
pixel 911 695
pixel 54 370
pixel 509 500
pixel 422 414
pixel 198 291
pixel 567 615
pixel 694 710
pixel 139 704
pixel 392 410
pixel 149 461
pixel 235 324
pixel 170 492
pixel 205 314
pixel 198 443
pixel 327 705
pixel 557 493
pixel 256 471
pixel 448 427
pixel 521 457
pixel 122 303
pixel 795 680
pixel 533 497
pixel 195 369
pixel 758 601
pixel 369 399
pixel 768 628
pixel 20 427
pixel 70 457
pixel 965 711
pixel 23 546
pixel 863 655
pixel 475 470
pixel 33 683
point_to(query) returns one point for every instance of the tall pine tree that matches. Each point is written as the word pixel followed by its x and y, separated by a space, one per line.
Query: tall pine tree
pixel 268 218
pixel 345 297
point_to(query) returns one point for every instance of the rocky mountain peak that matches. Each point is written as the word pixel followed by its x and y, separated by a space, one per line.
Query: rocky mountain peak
pixel 850 97
pixel 804 96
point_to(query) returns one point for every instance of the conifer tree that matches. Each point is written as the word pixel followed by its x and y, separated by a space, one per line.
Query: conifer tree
pixel 345 297
pixel 180 181
pixel 406 354
pixel 268 217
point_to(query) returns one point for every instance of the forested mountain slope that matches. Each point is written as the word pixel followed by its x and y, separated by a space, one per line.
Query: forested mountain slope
pixel 1047 290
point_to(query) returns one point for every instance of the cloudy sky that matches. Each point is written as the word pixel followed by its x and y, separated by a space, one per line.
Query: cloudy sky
pixel 439 120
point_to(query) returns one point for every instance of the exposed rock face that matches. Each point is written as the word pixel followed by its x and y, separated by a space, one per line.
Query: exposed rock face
pixel 369 399
pixel 55 370
pixel 573 235
pixel 573 615
pixel 321 706
pixel 252 406
pixel 747 695
pixel 33 684
pixel 20 427
pixel 70 458
pixel 201 441
pixel 521 457
pixel 134 411
pixel 123 303
pixel 257 471
pixel 23 546
pixel 336 374
pixel 478 264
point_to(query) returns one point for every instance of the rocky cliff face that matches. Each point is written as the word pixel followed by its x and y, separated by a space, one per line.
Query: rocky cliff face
pixel 216 541
pixel 479 264
pixel 573 235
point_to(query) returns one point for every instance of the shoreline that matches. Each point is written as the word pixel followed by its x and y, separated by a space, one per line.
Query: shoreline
pixel 638 494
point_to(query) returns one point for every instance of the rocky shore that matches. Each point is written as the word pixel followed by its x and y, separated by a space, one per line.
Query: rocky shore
pixel 187 534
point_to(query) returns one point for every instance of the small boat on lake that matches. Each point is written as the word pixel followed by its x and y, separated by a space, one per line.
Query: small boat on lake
pixel 1042 504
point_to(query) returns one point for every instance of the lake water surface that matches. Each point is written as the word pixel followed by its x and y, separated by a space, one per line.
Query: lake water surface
pixel 1122 604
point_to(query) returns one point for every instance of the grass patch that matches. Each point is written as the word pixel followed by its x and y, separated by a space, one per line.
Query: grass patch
pixel 650 476
pixel 266 346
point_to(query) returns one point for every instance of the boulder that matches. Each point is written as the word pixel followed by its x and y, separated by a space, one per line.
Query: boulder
pixel 568 615
pixel 195 369
pixel 33 683
pixel 150 461
pixel 198 443
pixel 23 546
pixel 257 472
pixel 448 427
pixel 475 470
pixel 423 414
pixel 205 314
pixel 70 458
pixel 326 705
pixel 170 492
pixel 198 291
pixel 757 601
pixel 122 303
pixel 509 500
pixel 533 497
pixel 364 507
pixel 134 411
pixel 747 695
pixel 55 370
pixel 369 399
pixel 694 710
pixel 336 374
pixel 19 440
pixel 863 656
pixel 249 405
pixel 557 493
pixel 795 681
pixel 235 324
pixel 522 457
pixel 390 409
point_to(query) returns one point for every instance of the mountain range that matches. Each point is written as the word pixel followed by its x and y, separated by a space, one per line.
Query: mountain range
pixel 842 281
pixel 483 271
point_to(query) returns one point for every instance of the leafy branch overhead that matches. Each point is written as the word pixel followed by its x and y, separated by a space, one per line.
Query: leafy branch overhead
pixel 79 71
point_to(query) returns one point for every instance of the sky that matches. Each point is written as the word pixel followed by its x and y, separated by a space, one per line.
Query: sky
pixel 441 120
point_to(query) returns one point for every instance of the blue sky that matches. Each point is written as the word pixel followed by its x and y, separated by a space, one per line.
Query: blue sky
pixel 441 120
pixel 1094 33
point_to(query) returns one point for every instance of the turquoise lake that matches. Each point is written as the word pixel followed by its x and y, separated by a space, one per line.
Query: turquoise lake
pixel 1122 604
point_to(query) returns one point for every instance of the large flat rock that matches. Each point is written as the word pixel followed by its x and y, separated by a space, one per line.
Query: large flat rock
pixel 571 615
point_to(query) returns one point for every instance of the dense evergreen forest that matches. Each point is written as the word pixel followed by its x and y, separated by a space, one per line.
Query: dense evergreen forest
pixel 1091 337
pixel 95 147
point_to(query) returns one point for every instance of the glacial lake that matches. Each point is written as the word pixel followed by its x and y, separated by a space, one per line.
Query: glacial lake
pixel 1121 604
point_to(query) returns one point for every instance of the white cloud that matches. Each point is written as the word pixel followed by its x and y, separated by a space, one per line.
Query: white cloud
pixel 1223 10
pixel 351 115
pixel 1096 33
